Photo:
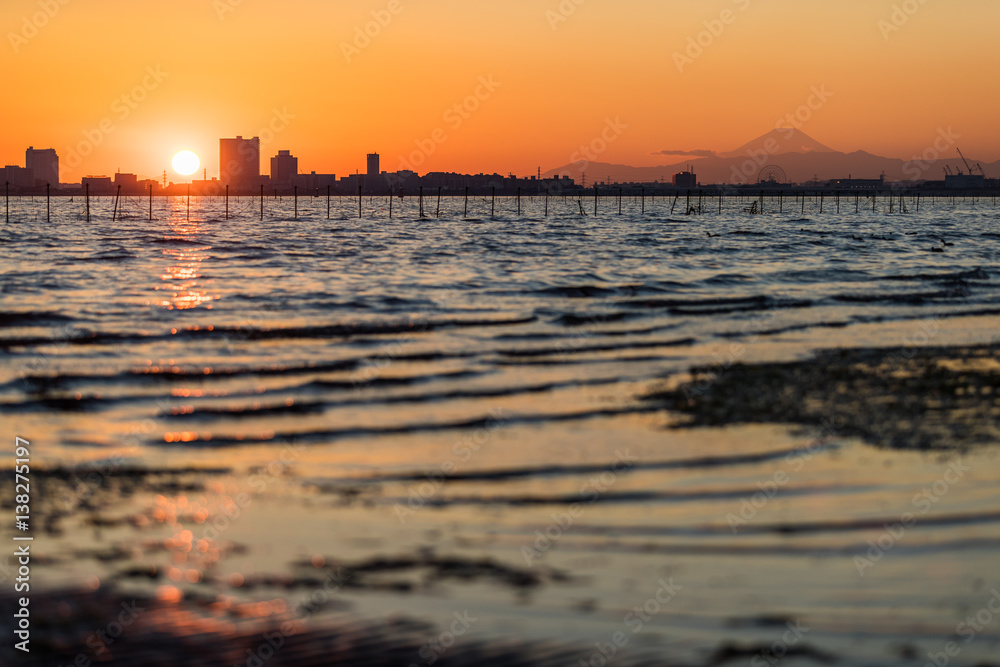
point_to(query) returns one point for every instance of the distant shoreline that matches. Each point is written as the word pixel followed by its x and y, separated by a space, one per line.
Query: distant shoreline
pixel 713 191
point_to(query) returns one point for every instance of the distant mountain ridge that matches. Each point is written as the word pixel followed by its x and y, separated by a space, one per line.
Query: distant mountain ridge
pixel 800 156
pixel 787 140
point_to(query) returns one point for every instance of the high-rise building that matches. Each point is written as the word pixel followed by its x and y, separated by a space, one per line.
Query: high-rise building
pixel 685 179
pixel 371 178
pixel 45 162
pixel 284 168
pixel 239 162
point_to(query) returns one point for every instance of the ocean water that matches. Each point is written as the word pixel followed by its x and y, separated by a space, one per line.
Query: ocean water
pixel 473 388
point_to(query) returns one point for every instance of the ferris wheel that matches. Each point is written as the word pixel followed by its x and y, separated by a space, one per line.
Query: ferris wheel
pixel 771 174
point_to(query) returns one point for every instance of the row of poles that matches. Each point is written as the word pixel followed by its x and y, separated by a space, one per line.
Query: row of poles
pixel 756 208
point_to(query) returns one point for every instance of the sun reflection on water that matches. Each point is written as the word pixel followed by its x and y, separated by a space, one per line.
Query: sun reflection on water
pixel 183 278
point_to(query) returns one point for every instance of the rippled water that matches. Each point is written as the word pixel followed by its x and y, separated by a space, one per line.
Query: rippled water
pixel 360 359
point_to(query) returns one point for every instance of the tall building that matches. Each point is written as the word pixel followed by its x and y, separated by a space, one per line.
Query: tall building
pixel 371 179
pixel 284 168
pixel 239 162
pixel 685 179
pixel 45 162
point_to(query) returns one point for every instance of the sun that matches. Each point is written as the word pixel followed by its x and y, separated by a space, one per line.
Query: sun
pixel 186 163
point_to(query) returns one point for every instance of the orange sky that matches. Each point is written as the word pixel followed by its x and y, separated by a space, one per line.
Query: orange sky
pixel 560 71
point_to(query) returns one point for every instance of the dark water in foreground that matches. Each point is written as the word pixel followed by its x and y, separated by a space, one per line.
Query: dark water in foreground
pixel 453 412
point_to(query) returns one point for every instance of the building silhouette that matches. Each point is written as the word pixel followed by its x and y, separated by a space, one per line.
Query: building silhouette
pixel 685 179
pixel 851 183
pixel 284 168
pixel 371 179
pixel 963 181
pixel 99 185
pixel 19 177
pixel 129 183
pixel 315 182
pixel 45 163
pixel 239 162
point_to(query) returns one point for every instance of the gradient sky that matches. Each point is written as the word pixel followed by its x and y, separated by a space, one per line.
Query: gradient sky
pixel 237 66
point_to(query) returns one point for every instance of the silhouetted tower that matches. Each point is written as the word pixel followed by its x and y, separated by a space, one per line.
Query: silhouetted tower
pixel 239 162
pixel 45 163
pixel 284 168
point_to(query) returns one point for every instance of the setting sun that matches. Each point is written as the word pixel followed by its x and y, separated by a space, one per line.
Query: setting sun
pixel 186 163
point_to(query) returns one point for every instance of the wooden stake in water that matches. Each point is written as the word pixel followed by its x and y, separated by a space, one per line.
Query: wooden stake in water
pixel 421 201
pixel 48 208
pixel 327 202
pixel 87 198
pixel 822 198
pixel 261 201
pixel 466 214
pixel 519 202
pixel 114 214
pixel 595 200
pixel 438 213
pixel 390 202
pixel 493 203
pixel 227 202
pixel 619 201
pixel 189 202
pixel 857 202
pixel 644 201
pixel 295 191
pixel 359 201
pixel 546 203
